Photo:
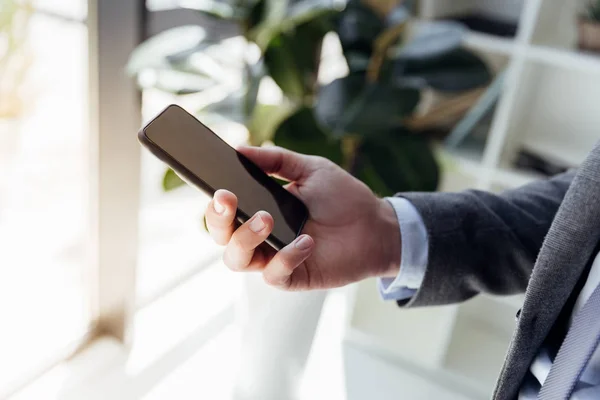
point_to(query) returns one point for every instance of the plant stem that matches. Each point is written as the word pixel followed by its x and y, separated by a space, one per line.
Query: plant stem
pixel 382 44
pixel 350 146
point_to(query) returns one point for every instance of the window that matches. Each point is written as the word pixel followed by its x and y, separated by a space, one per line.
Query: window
pixel 90 246
pixel 44 168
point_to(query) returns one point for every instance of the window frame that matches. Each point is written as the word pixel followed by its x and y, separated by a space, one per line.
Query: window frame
pixel 115 29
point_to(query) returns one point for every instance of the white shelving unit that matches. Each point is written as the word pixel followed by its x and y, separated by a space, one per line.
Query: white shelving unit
pixel 489 43
pixel 549 104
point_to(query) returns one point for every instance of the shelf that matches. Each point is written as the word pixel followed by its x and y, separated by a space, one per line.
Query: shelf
pixel 565 58
pixel 489 43
pixel 556 23
pixel 555 112
pixel 561 149
pixel 466 164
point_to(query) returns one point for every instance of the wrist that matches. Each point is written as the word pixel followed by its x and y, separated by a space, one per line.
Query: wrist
pixel 389 241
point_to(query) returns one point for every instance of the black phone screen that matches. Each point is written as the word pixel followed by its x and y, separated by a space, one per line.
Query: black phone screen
pixel 203 158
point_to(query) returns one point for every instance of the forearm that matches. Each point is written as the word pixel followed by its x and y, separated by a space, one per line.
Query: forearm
pixel 481 242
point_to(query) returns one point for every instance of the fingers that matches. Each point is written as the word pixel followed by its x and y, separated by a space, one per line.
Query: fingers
pixel 240 252
pixel 220 216
pixel 278 271
pixel 280 162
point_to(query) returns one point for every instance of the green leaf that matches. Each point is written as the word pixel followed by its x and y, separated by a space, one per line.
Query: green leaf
pixel 304 11
pixel 398 161
pixel 181 60
pixel 171 180
pixel 279 17
pixel 366 172
pixel 266 119
pixel 350 105
pixel 257 13
pixel 230 108
pixel 357 62
pixel 237 106
pixel 357 27
pixel 153 53
pixel 432 39
pixel 254 74
pixel 187 60
pixel 219 60
pixel 456 71
pixel 174 81
pixel 274 12
pixel 301 133
pixel 280 59
pixel 292 58
pixel 222 9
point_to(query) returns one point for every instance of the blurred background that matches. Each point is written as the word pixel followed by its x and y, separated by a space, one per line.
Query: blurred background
pixel 109 284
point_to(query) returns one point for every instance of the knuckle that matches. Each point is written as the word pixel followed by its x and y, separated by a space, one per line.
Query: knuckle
pixel 319 160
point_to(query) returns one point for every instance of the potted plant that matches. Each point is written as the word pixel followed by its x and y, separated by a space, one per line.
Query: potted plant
pixel 589 27
pixel 357 121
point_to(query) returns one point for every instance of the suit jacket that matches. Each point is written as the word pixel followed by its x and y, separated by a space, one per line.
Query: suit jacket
pixel 537 239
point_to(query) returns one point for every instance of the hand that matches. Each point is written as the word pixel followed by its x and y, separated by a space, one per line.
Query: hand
pixel 351 234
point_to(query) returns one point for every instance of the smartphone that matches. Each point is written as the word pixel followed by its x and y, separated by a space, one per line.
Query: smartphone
pixel 204 160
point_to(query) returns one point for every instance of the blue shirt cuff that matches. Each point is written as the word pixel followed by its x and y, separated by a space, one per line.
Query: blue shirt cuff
pixel 390 293
pixel 415 246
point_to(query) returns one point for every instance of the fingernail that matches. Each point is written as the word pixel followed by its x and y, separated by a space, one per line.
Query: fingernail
pixel 257 224
pixel 303 242
pixel 219 208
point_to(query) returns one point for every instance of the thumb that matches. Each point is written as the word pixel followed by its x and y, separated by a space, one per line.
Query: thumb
pixel 280 162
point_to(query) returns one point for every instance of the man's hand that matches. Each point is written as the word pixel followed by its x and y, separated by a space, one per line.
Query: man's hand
pixel 351 234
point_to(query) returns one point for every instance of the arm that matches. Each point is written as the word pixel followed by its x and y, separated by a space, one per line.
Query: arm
pixel 481 242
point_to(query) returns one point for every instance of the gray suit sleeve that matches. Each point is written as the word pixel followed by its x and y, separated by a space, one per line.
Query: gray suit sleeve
pixel 483 242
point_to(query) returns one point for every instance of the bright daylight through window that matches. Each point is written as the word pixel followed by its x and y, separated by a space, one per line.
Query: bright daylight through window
pixel 43 183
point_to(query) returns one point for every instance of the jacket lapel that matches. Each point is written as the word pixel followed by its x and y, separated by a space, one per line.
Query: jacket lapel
pixel 567 249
